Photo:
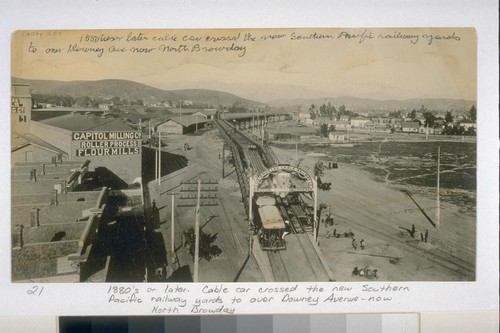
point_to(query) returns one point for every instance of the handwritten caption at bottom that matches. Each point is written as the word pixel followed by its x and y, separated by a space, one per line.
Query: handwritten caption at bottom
pixel 224 299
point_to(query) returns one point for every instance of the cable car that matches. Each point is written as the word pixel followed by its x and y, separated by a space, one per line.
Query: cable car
pixel 271 235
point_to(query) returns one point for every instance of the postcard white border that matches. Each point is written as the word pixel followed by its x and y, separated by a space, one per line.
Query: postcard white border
pixel 80 299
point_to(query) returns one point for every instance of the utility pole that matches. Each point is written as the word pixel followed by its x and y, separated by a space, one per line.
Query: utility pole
pixel 197 235
pixel 223 158
pixel 315 214
pixel 253 125
pixel 156 164
pixel 250 197
pixel 149 141
pixel 159 157
pixel 262 135
pixel 296 155
pixel 438 202
pixel 172 236
pixel 180 110
pixel 173 224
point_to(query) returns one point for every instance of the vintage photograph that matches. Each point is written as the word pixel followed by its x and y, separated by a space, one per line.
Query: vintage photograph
pixel 244 155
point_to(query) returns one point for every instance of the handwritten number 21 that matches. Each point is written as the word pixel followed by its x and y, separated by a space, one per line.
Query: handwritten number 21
pixel 35 290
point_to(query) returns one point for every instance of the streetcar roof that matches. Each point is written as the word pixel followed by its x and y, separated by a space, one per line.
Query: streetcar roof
pixel 271 218
pixel 265 201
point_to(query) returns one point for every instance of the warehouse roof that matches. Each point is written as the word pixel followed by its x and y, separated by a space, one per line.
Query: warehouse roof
pixel 77 122
pixel 186 120
pixel 19 141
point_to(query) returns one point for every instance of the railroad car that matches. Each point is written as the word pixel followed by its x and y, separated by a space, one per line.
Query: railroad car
pixel 272 232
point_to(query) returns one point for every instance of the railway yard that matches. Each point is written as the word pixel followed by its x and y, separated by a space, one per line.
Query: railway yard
pixel 366 228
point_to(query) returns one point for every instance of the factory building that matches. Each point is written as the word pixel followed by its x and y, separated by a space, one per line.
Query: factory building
pixel 74 137
pixel 75 186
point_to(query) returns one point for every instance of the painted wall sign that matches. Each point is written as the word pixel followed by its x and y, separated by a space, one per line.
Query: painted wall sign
pixel 107 143
pixel 92 136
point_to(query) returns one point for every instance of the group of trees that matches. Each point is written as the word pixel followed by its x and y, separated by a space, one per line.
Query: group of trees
pixel 458 130
pixel 117 101
pixel 430 118
pixel 242 107
pixel 428 115
pixel 448 123
pixel 327 110
pixel 325 129
pixel 433 121
pixel 38 99
pixel 81 101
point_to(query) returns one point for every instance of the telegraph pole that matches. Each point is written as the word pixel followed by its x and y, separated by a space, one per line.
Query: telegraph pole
pixel 159 157
pixel 156 164
pixel 197 235
pixel 315 214
pixel 223 158
pixel 172 240
pixel 173 225
pixel 438 202
pixel 250 196
pixel 296 155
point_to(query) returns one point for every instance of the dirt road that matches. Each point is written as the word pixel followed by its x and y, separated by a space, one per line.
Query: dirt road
pixel 383 215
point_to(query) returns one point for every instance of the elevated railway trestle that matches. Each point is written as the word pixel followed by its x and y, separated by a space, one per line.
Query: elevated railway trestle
pixel 260 174
pixel 249 156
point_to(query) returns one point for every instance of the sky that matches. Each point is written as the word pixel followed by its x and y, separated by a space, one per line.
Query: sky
pixel 262 64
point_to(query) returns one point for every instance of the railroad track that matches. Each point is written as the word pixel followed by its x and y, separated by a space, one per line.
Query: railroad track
pixel 436 255
pixel 299 262
pixel 278 266
pixel 290 215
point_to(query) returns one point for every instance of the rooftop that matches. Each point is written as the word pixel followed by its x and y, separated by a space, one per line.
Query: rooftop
pixel 77 122
pixel 240 115
pixel 60 226
pixel 19 141
pixel 210 112
pixel 186 120
pixel 69 109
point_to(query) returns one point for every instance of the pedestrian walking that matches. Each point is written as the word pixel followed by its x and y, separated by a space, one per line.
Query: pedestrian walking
pixel 413 231
pixel 362 244
pixel 426 235
pixel 354 244
pixel 422 237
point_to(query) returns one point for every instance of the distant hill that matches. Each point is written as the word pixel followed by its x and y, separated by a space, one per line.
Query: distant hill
pixel 365 105
pixel 131 90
